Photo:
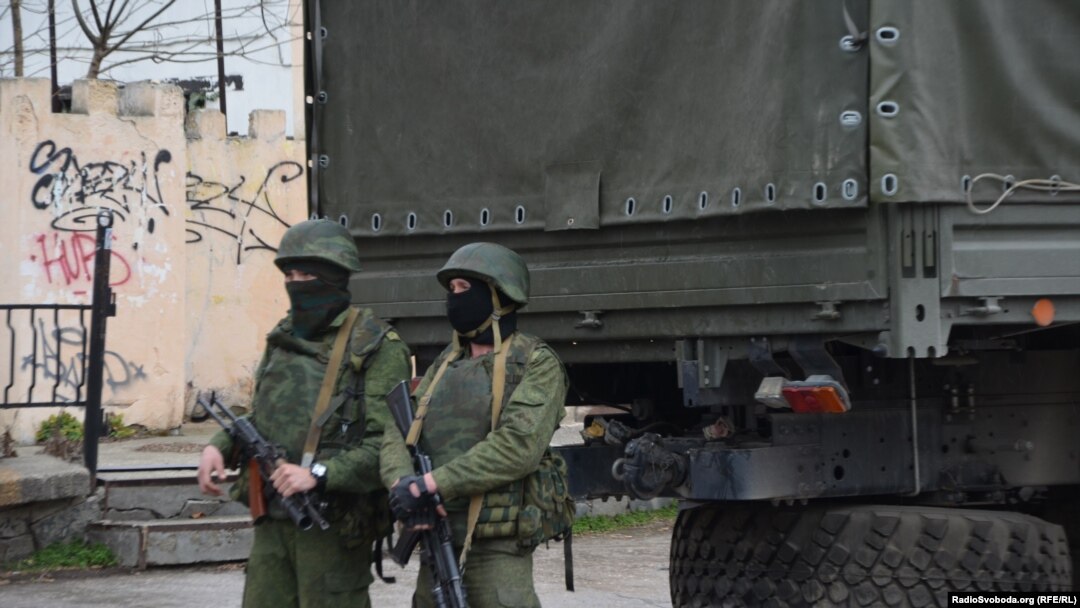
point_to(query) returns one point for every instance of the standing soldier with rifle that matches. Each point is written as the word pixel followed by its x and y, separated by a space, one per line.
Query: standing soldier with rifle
pixel 485 413
pixel 320 398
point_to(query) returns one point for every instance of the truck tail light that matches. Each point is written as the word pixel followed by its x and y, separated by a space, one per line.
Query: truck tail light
pixel 818 394
pixel 815 400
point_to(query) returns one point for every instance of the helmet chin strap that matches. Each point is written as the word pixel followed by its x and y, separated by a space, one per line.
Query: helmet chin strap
pixel 497 312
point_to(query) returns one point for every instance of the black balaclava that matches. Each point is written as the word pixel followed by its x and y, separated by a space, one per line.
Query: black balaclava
pixel 316 303
pixel 468 310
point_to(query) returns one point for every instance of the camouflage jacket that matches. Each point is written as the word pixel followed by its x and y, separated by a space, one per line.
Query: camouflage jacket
pixel 287 384
pixel 468 457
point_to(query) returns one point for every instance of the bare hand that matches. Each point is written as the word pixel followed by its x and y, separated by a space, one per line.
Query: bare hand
pixel 211 462
pixel 289 479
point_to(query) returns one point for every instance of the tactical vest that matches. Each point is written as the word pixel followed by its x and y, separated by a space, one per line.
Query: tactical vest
pixel 460 416
pixel 286 386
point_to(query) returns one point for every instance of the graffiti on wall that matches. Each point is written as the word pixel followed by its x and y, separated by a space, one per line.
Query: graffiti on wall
pixel 59 360
pixel 242 211
pixel 251 222
pixel 67 259
pixel 74 191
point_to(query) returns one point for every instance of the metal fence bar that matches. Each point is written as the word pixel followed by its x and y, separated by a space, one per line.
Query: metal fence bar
pixel 103 307
pixel 33 355
pixel 48 360
pixel 57 350
pixel 11 366
pixel 84 358
pixel 44 307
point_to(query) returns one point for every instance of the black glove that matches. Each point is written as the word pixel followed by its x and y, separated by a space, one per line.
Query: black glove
pixel 402 501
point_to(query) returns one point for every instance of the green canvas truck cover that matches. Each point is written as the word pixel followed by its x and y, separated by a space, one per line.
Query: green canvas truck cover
pixel 483 115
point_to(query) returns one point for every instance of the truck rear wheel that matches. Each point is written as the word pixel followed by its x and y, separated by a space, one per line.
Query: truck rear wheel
pixel 859 555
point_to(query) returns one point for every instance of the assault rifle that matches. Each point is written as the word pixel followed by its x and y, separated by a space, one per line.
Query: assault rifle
pixel 437 546
pixel 263 458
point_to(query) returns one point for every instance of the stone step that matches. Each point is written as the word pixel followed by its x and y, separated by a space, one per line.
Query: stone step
pixel 173 542
pixel 166 495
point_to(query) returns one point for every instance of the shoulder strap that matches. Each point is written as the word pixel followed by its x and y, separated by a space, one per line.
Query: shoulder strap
pixel 327 389
pixel 421 409
pixel 498 386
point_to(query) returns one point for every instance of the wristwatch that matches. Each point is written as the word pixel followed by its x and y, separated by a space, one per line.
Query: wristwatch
pixel 318 471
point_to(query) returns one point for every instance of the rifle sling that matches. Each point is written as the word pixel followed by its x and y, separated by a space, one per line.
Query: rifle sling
pixel 421 410
pixel 326 391
pixel 498 387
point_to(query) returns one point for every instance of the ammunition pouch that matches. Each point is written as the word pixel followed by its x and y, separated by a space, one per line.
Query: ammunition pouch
pixel 533 510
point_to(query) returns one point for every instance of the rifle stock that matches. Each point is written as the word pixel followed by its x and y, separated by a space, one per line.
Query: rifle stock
pixel 256 498
pixel 264 459
pixel 437 545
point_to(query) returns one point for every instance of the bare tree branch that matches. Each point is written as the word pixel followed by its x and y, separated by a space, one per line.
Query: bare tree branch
pixel 82 22
pixel 152 35
pixel 123 14
pixel 108 11
pixel 142 25
pixel 97 18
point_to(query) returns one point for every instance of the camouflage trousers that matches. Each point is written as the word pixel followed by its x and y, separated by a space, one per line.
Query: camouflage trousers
pixel 498 573
pixel 306 568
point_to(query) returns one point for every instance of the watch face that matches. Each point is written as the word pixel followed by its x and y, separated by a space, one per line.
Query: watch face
pixel 318 470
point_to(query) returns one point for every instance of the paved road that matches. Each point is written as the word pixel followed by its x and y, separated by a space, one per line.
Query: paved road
pixel 626 569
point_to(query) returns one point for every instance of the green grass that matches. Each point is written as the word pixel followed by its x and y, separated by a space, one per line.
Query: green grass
pixel 77 554
pixel 596 524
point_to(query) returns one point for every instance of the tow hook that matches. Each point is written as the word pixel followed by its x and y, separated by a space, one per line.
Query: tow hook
pixel 647 469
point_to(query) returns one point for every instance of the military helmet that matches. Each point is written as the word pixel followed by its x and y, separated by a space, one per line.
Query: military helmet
pixel 493 264
pixel 319 240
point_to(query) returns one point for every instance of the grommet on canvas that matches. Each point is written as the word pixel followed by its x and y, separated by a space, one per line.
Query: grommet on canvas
pixel 887 109
pixel 890 184
pixel 850 118
pixel 849 189
pixel 887 36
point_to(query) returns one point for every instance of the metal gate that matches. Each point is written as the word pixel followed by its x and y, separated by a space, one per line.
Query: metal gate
pixel 66 345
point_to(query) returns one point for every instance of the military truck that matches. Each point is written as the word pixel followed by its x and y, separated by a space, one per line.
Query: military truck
pixel 822 257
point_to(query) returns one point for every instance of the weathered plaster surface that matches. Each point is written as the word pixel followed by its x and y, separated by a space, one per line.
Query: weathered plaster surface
pixel 198 216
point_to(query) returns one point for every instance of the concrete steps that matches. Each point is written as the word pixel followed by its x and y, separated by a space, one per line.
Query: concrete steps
pixel 173 542
pixel 161 519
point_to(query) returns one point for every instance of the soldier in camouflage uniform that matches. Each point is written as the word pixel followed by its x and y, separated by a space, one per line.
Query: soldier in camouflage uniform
pixel 486 285
pixel 288 566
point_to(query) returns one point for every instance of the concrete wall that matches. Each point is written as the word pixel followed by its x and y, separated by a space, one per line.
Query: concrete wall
pixel 197 221
pixel 237 211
